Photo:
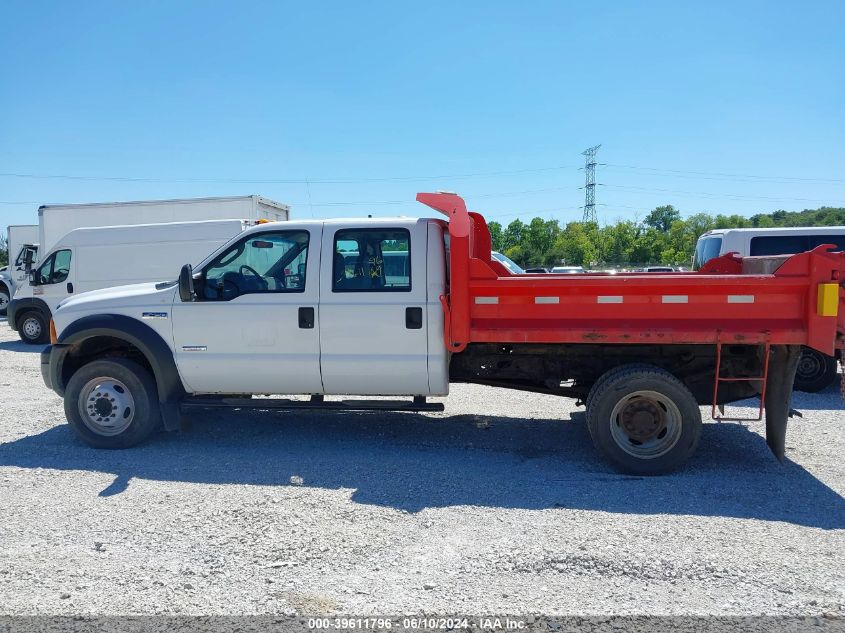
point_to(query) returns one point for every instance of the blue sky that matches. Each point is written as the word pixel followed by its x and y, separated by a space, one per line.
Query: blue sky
pixel 692 102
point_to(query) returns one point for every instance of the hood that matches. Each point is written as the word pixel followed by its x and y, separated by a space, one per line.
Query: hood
pixel 145 294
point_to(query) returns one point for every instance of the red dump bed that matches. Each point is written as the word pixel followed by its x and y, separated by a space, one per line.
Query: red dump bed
pixel 800 302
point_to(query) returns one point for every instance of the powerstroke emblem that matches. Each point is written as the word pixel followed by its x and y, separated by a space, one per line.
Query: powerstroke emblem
pixel 194 348
pixel 154 315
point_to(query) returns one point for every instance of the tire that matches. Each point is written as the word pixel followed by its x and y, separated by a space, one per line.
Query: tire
pixel 816 371
pixel 663 419
pixel 33 328
pixel 112 403
pixel 4 300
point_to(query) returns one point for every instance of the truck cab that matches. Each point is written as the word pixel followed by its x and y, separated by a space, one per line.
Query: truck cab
pixel 22 243
pixel 333 307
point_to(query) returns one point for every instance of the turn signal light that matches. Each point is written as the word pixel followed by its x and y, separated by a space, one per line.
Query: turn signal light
pixel 53 338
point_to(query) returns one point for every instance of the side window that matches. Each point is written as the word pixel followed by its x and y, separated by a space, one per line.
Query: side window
pixel 818 240
pixel 779 244
pixel 260 263
pixel 55 268
pixel 372 260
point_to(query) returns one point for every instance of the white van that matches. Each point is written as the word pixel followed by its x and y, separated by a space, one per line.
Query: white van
pixel 815 370
pixel 101 257
pixel 779 241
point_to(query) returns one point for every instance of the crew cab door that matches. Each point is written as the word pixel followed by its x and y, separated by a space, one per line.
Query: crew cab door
pixel 373 313
pixel 254 325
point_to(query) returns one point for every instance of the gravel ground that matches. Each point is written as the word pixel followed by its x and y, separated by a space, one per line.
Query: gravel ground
pixel 498 505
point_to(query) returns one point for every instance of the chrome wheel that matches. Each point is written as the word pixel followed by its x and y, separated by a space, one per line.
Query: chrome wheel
pixel 646 424
pixel 106 406
pixel 31 328
pixel 4 300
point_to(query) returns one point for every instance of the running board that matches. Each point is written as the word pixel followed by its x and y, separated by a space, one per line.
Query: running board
pixel 418 404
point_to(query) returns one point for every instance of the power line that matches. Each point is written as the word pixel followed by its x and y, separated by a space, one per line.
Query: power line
pixel 708 175
pixel 288 181
pixel 705 175
pixel 717 196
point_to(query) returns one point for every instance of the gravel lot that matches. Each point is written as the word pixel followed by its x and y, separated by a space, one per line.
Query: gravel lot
pixel 498 505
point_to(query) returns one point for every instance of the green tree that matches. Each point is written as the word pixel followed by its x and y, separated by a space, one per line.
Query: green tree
pixel 496 235
pixel 513 234
pixel 661 218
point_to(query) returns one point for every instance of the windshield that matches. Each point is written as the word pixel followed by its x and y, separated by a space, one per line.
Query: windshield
pixel 706 249
pixel 511 265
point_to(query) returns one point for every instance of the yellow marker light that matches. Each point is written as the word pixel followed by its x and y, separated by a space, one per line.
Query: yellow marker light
pixel 53 338
pixel 828 304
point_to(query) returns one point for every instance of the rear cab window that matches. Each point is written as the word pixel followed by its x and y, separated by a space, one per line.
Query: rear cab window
pixel 372 260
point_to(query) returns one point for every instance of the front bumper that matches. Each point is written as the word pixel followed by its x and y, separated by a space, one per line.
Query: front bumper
pixel 52 360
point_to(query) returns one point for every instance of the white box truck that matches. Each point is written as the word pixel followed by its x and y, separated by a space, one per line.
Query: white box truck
pixel 89 259
pixel 17 235
pixel 57 220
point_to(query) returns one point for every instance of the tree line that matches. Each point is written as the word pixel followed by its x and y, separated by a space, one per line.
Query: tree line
pixel 663 237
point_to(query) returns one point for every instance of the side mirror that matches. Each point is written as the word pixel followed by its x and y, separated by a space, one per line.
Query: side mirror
pixel 33 277
pixel 186 283
pixel 27 259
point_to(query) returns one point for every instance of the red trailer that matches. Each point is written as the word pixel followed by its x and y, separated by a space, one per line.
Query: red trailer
pixel 633 346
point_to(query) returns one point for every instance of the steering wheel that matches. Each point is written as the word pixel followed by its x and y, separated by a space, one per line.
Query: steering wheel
pixel 259 280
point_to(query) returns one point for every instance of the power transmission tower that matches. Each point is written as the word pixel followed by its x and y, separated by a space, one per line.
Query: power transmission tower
pixel 590 185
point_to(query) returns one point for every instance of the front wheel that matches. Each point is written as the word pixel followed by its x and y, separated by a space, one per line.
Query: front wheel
pixel 816 371
pixel 112 403
pixel 32 328
pixel 643 419
pixel 4 301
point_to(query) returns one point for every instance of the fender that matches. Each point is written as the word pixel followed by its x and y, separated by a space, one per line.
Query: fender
pixel 152 346
pixel 16 306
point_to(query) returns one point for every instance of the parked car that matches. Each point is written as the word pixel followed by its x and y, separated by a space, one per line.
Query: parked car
pixel 568 270
pixel 511 265
pixel 655 269
pixel 537 270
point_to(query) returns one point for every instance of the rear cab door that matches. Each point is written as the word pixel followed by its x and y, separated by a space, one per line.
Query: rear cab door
pixel 374 322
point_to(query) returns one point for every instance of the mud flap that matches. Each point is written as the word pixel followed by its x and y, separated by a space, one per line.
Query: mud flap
pixel 783 364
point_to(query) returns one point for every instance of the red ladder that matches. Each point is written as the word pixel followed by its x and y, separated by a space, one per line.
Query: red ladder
pixel 720 379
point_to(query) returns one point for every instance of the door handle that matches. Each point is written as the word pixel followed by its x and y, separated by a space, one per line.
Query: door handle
pixel 306 318
pixel 69 287
pixel 413 318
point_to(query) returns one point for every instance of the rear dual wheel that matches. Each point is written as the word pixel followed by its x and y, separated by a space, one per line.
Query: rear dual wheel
pixel 816 371
pixel 643 419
